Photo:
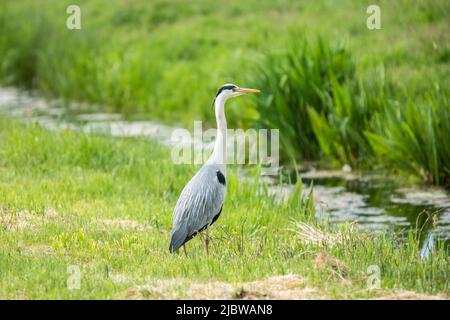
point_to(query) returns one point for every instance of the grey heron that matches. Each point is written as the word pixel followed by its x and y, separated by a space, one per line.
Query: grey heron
pixel 200 203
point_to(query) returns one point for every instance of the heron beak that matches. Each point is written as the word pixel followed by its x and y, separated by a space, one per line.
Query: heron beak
pixel 247 90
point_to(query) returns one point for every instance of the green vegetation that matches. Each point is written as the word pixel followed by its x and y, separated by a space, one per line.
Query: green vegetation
pixel 105 205
pixel 326 109
pixel 338 92
pixel 331 98
pixel 414 137
pixel 293 81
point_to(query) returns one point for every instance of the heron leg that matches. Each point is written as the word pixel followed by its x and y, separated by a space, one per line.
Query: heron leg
pixel 184 249
pixel 207 241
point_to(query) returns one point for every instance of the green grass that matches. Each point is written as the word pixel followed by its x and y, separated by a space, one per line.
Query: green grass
pixel 294 81
pixel 328 112
pixel 63 196
pixel 413 137
pixel 355 96
pixel 165 59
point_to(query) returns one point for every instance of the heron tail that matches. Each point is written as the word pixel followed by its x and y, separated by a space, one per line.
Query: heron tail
pixel 177 240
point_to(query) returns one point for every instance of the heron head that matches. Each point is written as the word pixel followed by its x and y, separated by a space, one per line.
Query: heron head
pixel 231 90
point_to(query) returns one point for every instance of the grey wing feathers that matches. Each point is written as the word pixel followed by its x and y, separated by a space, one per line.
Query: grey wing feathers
pixel 199 202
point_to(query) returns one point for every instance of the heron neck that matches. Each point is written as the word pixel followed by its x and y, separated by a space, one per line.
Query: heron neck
pixel 219 154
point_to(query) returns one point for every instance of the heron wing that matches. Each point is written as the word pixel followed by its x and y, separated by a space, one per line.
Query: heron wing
pixel 200 202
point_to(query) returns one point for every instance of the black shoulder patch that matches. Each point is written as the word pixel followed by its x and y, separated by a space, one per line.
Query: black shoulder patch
pixel 220 177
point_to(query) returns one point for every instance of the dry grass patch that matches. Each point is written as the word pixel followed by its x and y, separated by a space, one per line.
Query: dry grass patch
pixel 309 234
pixel 276 287
pixel 410 295
pixel 23 220
pixel 325 261
pixel 288 287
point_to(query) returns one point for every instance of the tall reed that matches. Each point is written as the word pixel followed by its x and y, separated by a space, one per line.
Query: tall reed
pixel 294 81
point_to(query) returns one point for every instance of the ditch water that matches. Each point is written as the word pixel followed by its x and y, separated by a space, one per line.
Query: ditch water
pixel 374 201
pixel 382 203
